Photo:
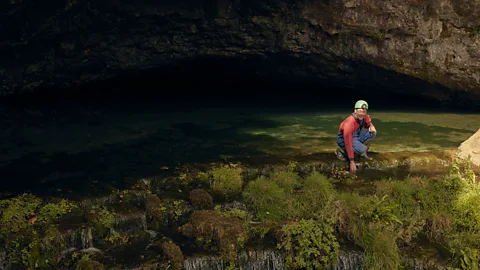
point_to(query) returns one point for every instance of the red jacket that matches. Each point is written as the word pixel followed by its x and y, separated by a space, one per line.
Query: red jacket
pixel 350 125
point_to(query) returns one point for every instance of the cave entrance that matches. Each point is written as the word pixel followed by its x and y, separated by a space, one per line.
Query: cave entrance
pixel 109 134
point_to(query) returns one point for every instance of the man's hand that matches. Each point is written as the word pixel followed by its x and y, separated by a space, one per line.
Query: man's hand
pixel 371 128
pixel 353 167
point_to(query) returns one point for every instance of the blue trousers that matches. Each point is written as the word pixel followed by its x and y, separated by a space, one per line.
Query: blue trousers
pixel 361 140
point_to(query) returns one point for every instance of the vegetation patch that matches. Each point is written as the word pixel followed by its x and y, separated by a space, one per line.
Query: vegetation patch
pixel 309 244
pixel 201 199
pixel 215 232
pixel 226 181
pixel 305 215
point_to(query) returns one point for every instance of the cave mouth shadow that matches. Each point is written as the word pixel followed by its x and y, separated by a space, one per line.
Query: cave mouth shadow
pixel 120 165
pixel 267 80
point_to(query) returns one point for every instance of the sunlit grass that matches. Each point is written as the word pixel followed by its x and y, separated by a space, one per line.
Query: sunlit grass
pixel 415 132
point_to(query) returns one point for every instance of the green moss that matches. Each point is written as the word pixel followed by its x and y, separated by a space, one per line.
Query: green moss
pixel 227 181
pixel 16 212
pixel 85 263
pixel 51 212
pixel 101 218
pixel 231 213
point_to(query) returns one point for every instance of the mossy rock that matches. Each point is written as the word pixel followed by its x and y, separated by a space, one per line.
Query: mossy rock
pixel 201 199
pixel 85 263
pixel 215 232
pixel 173 254
pixel 156 212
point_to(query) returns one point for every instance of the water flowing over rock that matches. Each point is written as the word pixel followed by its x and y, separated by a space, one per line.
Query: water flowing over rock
pixel 131 223
pixel 268 260
pixel 254 260
pixel 274 260
pixel 350 260
pixel 81 238
pixel 471 148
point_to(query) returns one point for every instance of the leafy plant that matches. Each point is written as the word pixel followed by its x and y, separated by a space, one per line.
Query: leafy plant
pixel 378 210
pixel 101 218
pixel 309 244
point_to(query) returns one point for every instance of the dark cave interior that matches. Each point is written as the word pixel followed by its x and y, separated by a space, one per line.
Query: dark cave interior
pixel 253 81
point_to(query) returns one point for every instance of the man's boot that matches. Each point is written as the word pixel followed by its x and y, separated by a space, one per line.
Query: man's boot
pixel 341 154
pixel 364 155
pixel 367 143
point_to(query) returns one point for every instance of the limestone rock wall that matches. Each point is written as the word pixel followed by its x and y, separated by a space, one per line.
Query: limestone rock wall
pixel 428 47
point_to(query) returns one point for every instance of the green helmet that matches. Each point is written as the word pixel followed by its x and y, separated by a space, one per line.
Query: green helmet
pixel 361 104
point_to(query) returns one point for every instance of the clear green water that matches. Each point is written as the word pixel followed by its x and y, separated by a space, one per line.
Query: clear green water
pixel 97 148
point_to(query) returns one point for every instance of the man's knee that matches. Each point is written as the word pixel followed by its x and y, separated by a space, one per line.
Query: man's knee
pixel 369 138
pixel 359 148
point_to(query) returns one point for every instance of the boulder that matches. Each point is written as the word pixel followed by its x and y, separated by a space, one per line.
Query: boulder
pixel 471 147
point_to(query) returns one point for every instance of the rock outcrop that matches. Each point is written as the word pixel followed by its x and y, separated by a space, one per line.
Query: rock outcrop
pixel 429 48
pixel 471 148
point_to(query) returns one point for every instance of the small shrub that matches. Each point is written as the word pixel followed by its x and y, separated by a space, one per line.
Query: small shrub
pixel 266 199
pixel 285 179
pixel 401 192
pixel 344 212
pixel 309 244
pixel 460 175
pixel 467 208
pixel 379 210
pixel 470 259
pixel 438 225
pixel 381 251
pixel 317 193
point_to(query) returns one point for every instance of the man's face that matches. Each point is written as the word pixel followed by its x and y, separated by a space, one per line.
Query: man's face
pixel 361 113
